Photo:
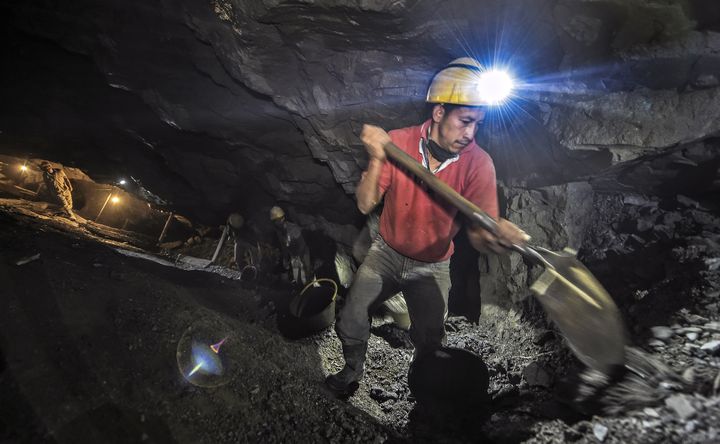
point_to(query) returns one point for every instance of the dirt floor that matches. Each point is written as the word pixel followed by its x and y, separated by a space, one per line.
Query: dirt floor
pixel 94 348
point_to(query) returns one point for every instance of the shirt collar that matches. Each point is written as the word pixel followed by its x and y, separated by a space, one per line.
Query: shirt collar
pixel 425 161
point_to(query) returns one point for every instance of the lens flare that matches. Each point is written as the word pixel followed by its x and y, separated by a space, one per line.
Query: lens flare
pixel 495 86
pixel 205 360
pixel 216 347
pixel 203 356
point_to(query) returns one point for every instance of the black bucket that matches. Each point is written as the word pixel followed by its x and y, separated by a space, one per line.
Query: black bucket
pixel 313 309
pixel 248 273
pixel 449 376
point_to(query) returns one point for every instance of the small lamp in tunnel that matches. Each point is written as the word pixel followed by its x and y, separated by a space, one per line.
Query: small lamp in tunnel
pixel 122 181
pixel 23 168
pixel 110 198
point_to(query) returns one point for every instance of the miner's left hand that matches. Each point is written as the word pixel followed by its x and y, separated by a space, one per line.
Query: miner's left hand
pixel 508 234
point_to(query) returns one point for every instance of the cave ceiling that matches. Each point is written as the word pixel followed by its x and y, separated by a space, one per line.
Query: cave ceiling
pixel 225 105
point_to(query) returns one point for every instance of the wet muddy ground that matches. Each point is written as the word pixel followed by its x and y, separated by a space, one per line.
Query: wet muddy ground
pixel 89 353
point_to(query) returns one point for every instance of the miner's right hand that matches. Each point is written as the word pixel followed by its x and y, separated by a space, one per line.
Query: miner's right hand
pixel 375 139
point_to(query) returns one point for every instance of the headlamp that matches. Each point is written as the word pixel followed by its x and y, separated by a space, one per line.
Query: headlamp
pixel 466 82
pixel 495 86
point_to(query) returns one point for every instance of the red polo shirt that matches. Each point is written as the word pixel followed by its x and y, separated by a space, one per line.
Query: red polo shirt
pixel 419 225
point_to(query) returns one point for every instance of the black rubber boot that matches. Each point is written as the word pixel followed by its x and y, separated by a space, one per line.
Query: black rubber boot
pixel 346 380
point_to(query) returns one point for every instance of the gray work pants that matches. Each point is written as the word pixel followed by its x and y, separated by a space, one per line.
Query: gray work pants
pixel 385 272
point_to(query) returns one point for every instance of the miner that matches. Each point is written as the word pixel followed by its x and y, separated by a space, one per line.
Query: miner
pixel 411 253
pixel 235 223
pixel 59 186
pixel 295 253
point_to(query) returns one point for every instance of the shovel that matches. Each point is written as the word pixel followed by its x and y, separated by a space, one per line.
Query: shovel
pixel 571 296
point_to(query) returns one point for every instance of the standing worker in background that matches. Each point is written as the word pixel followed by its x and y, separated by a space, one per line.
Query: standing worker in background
pixel 232 228
pixel 59 186
pixel 235 222
pixel 412 251
pixel 295 253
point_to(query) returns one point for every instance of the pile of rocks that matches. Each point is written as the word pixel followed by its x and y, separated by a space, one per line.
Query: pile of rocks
pixel 698 340
pixel 693 348
pixel 690 418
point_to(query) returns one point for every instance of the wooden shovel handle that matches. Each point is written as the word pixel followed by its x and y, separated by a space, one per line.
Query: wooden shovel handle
pixel 466 207
pixel 469 209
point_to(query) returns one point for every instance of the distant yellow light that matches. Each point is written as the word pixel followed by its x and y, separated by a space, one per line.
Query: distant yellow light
pixel 114 199
pixel 23 167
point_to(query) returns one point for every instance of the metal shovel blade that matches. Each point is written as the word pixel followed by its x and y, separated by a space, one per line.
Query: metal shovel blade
pixel 583 311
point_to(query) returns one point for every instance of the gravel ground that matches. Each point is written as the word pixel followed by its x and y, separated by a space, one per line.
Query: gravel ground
pixel 90 339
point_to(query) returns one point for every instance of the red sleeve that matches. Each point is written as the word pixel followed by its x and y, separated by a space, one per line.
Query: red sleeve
pixel 388 167
pixel 481 187
pixel 385 177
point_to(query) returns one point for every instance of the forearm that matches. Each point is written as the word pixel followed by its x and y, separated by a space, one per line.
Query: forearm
pixel 368 191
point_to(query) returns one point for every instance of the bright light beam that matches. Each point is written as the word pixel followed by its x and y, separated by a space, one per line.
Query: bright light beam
pixel 495 86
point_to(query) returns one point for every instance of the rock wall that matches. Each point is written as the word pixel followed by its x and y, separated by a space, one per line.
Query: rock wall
pixel 556 217
pixel 651 230
pixel 228 105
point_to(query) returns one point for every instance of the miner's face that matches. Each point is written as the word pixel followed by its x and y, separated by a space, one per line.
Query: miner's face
pixel 456 128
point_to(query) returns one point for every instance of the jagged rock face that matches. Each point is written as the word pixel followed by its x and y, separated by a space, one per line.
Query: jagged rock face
pixel 584 124
pixel 556 217
pixel 278 89
pixel 235 104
